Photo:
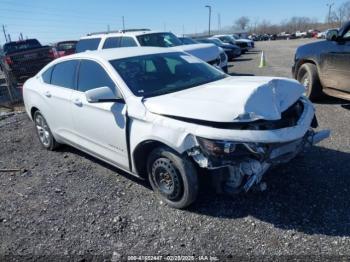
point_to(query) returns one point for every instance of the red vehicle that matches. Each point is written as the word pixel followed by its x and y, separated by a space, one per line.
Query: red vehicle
pixel 65 48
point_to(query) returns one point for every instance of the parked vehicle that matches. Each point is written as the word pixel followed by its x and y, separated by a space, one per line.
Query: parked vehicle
pixel 65 48
pixel 299 34
pixel 232 51
pixel 246 40
pixel 21 60
pixel 128 38
pixel 188 41
pixel 325 66
pixel 230 40
pixel 165 115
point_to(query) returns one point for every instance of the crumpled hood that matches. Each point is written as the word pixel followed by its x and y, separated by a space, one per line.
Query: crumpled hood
pixel 206 52
pixel 232 99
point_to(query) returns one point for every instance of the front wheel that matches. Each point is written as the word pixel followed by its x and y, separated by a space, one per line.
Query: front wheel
pixel 308 77
pixel 173 177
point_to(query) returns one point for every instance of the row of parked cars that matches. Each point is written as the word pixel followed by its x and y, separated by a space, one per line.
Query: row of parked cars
pixel 22 59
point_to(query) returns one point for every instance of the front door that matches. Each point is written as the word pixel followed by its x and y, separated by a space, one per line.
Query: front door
pixel 99 127
pixel 335 63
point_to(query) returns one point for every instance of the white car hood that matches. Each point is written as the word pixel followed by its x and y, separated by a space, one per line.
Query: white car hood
pixel 233 99
pixel 206 52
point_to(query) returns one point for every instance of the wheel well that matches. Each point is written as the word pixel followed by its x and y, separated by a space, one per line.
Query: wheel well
pixel 141 153
pixel 32 111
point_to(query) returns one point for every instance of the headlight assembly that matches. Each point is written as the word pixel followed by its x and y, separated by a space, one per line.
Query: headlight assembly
pixel 219 148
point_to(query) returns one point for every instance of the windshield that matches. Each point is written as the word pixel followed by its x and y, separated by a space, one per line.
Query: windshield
pixel 158 74
pixel 159 39
pixel 21 45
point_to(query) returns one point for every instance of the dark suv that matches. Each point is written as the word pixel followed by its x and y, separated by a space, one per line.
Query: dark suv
pixel 324 67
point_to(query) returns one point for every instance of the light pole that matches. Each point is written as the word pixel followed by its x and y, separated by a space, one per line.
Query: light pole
pixel 329 12
pixel 209 8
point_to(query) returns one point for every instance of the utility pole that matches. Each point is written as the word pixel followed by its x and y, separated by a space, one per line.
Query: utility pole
pixel 183 31
pixel 123 22
pixel 108 28
pixel 9 37
pixel 21 36
pixel 219 22
pixel 329 12
pixel 3 29
pixel 209 8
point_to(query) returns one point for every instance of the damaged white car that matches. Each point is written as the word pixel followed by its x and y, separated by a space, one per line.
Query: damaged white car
pixel 166 115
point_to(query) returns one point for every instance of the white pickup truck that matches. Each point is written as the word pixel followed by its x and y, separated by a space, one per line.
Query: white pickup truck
pixel 209 53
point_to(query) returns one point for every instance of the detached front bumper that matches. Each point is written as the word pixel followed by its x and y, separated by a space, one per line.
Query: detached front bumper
pixel 237 175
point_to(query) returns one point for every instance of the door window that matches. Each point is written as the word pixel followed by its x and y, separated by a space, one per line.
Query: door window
pixel 63 74
pixel 127 42
pixel 46 76
pixel 112 42
pixel 92 75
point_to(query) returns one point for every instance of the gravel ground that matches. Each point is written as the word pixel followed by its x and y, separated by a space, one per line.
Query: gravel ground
pixel 68 204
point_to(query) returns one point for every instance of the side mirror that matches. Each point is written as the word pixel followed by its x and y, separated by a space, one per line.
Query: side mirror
pixel 103 94
pixel 332 35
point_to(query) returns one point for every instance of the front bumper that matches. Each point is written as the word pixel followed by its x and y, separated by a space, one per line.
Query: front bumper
pixel 237 175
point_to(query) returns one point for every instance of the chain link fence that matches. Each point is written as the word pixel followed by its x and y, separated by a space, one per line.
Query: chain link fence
pixel 9 93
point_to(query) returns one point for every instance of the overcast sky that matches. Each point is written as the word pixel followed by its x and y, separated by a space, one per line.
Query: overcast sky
pixel 51 21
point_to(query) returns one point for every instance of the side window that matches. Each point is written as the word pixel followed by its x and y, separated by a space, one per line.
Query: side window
pixel 111 42
pixel 87 44
pixel 63 74
pixel 127 42
pixel 347 35
pixel 46 76
pixel 92 75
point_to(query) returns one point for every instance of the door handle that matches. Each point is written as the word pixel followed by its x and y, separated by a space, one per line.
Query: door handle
pixel 77 102
pixel 47 94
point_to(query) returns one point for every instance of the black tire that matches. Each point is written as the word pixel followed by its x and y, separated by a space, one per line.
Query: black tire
pixel 179 188
pixel 48 142
pixel 308 77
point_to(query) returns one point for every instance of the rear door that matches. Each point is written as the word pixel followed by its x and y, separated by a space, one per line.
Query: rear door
pixel 99 127
pixel 57 96
pixel 335 64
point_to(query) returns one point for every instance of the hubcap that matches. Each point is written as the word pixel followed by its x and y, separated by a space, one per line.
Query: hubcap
pixel 305 81
pixel 43 130
pixel 166 178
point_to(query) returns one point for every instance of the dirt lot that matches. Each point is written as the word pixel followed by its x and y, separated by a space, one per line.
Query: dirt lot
pixel 66 203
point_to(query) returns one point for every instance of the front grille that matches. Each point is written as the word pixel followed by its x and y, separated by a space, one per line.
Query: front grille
pixel 242 44
pixel 214 62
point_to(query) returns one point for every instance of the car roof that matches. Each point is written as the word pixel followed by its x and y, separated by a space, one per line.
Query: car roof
pixel 132 33
pixel 118 53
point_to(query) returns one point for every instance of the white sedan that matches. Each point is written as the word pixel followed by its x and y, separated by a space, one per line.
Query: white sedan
pixel 166 115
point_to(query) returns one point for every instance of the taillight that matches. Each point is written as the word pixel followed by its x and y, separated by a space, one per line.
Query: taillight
pixel 8 60
pixel 53 53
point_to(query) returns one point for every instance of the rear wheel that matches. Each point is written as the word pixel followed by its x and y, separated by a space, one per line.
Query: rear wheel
pixel 44 133
pixel 173 177
pixel 308 77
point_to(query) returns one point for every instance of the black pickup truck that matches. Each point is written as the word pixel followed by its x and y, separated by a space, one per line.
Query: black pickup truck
pixel 324 66
pixel 21 60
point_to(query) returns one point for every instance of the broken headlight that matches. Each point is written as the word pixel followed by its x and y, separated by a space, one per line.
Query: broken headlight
pixel 220 148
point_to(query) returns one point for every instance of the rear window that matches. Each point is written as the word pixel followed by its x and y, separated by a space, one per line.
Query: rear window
pixel 46 76
pixel 63 74
pixel 21 45
pixel 87 44
pixel 66 46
